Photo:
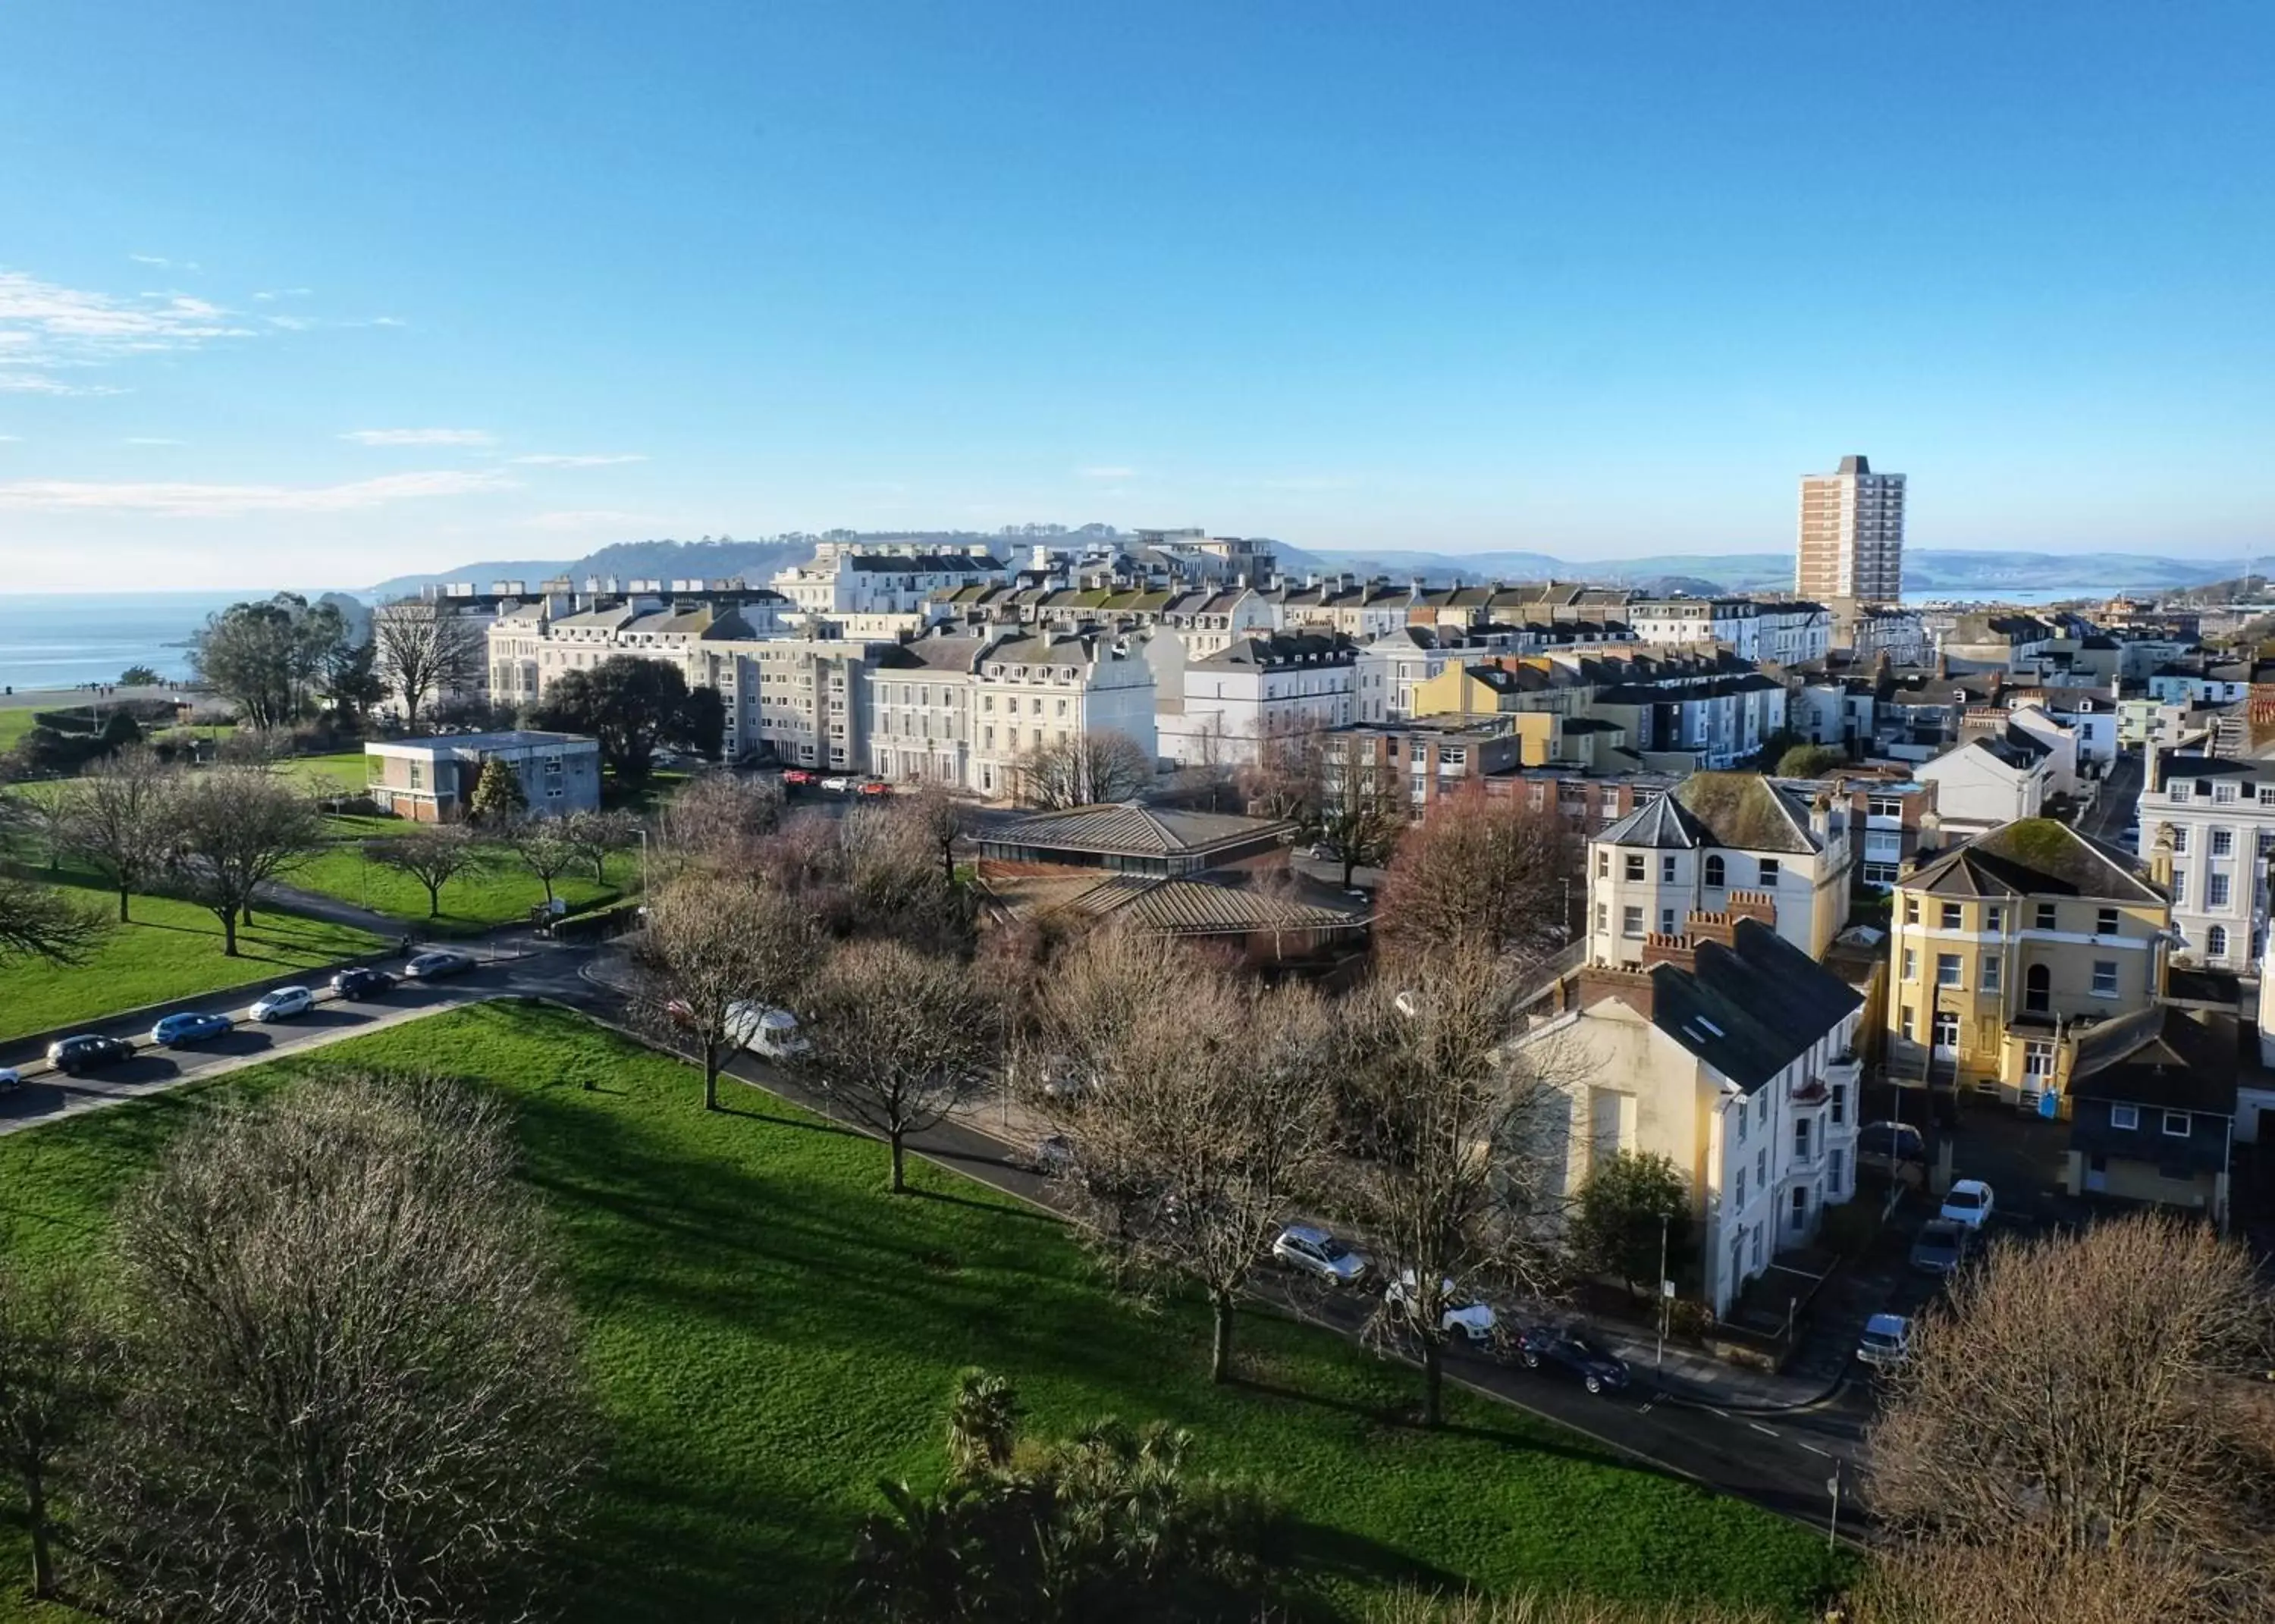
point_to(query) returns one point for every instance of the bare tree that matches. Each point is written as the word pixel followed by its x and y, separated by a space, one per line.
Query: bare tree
pixel 720 819
pixel 599 835
pixel 1083 769
pixel 545 848
pixel 895 886
pixel 55 1367
pixel 2098 1391
pixel 434 855
pixel 424 651
pixel 1198 1108
pixel 116 816
pixel 900 1039
pixel 720 950
pixel 38 921
pixel 352 1389
pixel 235 829
pixel 1363 803
pixel 1286 780
pixel 1485 869
pixel 1912 1582
pixel 1456 1168
pixel 934 808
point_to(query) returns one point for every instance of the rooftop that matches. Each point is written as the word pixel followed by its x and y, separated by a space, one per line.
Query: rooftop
pixel 1127 829
pixel 446 743
pixel 2035 856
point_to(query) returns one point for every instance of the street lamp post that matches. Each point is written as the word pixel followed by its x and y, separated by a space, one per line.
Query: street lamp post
pixel 1660 1363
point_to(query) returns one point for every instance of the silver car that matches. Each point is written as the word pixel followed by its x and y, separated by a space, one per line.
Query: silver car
pixel 1315 1251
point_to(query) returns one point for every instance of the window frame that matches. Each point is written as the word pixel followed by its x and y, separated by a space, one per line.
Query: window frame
pixel 2124 1118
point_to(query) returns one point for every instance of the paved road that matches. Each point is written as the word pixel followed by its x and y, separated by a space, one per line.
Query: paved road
pixel 1780 1462
pixel 2111 814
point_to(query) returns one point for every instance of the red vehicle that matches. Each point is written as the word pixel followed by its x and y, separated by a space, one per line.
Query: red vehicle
pixel 798 777
pixel 876 787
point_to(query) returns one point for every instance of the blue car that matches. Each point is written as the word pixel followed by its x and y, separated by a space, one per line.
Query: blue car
pixel 175 1030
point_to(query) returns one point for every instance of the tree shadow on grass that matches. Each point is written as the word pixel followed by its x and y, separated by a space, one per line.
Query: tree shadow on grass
pixel 1003 1208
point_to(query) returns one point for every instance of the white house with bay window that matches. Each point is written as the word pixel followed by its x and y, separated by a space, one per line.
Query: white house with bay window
pixel 1731 1052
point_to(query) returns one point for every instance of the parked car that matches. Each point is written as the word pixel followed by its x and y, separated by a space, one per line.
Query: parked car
pixel 1569 1353
pixel 175 1030
pixel 363 982
pixel 1463 1313
pixel 282 1004
pixel 1970 1203
pixel 1315 1251
pixel 1887 1341
pixel 10 1079
pixel 796 778
pixel 839 785
pixel 1941 1246
pixel 1320 851
pixel 1055 1156
pixel 434 966
pixel 88 1052
pixel 876 787
pixel 1886 1144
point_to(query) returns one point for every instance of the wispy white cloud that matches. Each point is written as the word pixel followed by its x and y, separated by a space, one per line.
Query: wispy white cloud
pixel 15 382
pixel 586 518
pixel 556 459
pixel 192 501
pixel 274 293
pixel 150 440
pixel 159 258
pixel 46 329
pixel 11 439
pixel 1106 473
pixel 384 321
pixel 420 436
pixel 291 324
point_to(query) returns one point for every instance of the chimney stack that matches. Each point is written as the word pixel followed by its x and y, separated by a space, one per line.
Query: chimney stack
pixel 1598 982
pixel 1675 950
pixel 1722 927
pixel 1757 905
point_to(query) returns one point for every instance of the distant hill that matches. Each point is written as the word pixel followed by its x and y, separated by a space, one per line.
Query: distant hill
pixel 1925 569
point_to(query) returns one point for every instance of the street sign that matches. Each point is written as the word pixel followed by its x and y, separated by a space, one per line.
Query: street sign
pixel 1667 1289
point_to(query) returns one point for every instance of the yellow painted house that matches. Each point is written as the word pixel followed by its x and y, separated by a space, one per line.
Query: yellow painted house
pixel 2007 948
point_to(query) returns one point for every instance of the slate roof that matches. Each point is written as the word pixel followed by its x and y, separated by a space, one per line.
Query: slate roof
pixel 2035 856
pixel 1750 1009
pixel 2162 1057
pixel 922 564
pixel 1281 649
pixel 1197 906
pixel 1742 812
pixel 935 654
pixel 1126 827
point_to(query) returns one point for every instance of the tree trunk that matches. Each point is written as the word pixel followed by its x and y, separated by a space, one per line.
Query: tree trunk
pixel 248 910
pixel 1220 1350
pixel 710 1074
pixel 548 878
pixel 434 902
pixel 900 1183
pixel 43 1562
pixel 228 931
pixel 122 919
pixel 1351 866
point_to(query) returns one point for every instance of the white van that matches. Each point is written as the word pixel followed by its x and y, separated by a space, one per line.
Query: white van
pixel 770 1034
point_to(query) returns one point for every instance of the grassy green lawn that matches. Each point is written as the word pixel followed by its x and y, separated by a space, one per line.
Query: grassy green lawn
pixel 769 1334
pixel 172 949
pixel 337 774
pixel 500 895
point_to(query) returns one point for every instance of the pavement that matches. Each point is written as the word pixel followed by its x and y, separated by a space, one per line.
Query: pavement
pixel 1778 1442
pixel 2112 809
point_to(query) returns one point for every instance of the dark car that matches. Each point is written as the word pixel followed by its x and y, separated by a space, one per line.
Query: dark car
pixel 88 1052
pixel 434 966
pixel 363 982
pixel 1941 1246
pixel 1886 1145
pixel 1571 1354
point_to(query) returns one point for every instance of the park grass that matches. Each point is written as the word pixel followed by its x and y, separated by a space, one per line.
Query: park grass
pixel 343 773
pixel 769 1334
pixel 500 893
pixel 170 949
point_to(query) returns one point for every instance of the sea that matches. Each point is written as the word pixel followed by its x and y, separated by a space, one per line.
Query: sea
pixel 67 639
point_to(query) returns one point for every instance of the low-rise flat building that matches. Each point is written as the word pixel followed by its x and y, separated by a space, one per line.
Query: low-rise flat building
pixel 1990 779
pixel 2152 1111
pixel 433 779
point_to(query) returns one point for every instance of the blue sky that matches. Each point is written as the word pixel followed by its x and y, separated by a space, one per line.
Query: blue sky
pixel 317 293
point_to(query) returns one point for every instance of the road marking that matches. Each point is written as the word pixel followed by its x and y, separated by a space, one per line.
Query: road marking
pixel 1758 1427
pixel 1723 1412
pixel 1813 1449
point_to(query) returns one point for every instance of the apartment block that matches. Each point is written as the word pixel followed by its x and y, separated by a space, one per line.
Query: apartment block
pixel 2207 834
pixel 1852 534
